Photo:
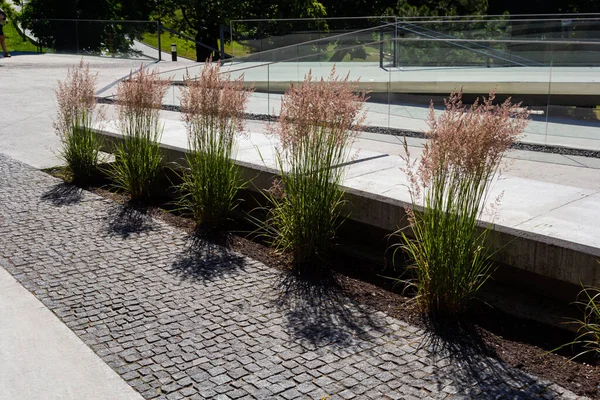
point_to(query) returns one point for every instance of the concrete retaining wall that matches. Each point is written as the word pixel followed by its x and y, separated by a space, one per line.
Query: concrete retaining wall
pixel 548 257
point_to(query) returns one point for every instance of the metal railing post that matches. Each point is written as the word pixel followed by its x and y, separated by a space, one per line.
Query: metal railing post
pixel 222 44
pixel 159 47
pixel 76 37
pixel 381 47
pixel 395 62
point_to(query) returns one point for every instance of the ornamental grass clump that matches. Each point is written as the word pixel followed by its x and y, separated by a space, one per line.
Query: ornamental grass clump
pixel 212 108
pixel 449 189
pixel 138 158
pixel 316 130
pixel 589 330
pixel 76 113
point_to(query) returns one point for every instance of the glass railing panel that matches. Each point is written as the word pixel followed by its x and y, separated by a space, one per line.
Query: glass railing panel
pixel 349 46
pixel 572 115
pixel 254 36
pixel 429 70
pixel 101 38
pixel 553 78
pixel 257 76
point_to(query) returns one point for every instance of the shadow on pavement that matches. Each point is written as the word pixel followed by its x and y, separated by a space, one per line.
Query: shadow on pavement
pixel 207 257
pixel 318 313
pixel 472 367
pixel 126 220
pixel 63 194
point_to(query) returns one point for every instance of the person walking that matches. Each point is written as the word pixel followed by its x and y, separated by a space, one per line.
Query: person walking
pixel 2 41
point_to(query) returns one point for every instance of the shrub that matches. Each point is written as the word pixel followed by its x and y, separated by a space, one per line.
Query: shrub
pixel 452 182
pixel 212 108
pixel 76 112
pixel 138 158
pixel 588 334
pixel 315 132
pixel 589 331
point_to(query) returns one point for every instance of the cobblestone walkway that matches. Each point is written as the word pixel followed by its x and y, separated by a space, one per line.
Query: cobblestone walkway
pixel 186 320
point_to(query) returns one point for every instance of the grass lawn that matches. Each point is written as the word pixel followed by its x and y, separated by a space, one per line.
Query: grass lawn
pixel 15 42
pixel 186 48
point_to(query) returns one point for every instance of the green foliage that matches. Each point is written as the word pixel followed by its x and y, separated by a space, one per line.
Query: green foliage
pixel 425 8
pixel 86 36
pixel 449 190
pixel 213 111
pixel 589 330
pixel 450 260
pixel 76 112
pixel 138 158
pixel 306 215
pixel 210 183
pixel 315 131
pixel 8 10
pixel 14 41
pixel 202 19
pixel 81 150
pixel 186 48
pixel 588 334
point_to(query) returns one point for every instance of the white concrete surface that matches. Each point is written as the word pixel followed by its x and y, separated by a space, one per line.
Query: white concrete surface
pixel 509 80
pixel 552 131
pixel 40 358
pixel 28 105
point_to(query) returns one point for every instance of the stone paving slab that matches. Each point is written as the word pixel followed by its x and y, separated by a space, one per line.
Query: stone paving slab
pixel 182 319
pixel 185 319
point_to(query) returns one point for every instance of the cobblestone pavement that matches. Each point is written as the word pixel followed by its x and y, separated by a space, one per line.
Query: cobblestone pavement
pixel 178 319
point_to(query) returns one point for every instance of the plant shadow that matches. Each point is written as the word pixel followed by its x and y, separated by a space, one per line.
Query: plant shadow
pixel 318 313
pixel 127 219
pixel 63 194
pixel 472 365
pixel 207 256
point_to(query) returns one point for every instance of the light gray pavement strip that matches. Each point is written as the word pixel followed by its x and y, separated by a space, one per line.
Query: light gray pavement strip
pixel 28 105
pixel 178 320
pixel 556 131
pixel 40 358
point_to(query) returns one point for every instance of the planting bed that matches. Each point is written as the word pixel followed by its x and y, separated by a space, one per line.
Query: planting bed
pixel 521 343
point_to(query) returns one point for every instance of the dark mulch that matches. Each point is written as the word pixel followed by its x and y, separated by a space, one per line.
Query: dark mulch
pixel 521 343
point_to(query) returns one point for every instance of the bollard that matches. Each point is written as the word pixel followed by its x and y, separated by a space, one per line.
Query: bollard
pixel 173 52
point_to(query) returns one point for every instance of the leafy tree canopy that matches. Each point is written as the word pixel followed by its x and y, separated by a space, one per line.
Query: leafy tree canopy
pixel 40 16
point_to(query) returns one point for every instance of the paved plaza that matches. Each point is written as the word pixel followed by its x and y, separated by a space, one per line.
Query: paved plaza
pixel 178 319
pixel 126 306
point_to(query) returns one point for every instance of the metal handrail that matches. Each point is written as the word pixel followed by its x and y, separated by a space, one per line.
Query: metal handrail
pixel 181 35
pixel 309 42
pixel 451 40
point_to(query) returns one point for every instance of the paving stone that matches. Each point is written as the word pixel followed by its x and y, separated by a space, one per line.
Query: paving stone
pixel 179 319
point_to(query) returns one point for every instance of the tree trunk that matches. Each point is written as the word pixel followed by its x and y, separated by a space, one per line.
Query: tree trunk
pixel 202 53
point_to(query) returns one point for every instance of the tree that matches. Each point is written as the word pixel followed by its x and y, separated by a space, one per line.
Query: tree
pixel 41 17
pixel 543 7
pixel 202 19
pixel 421 8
